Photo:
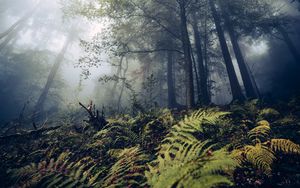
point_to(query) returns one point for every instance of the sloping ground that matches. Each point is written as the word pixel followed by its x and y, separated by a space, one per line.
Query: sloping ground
pixel 253 144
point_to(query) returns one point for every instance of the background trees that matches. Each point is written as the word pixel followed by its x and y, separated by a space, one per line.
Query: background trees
pixel 196 52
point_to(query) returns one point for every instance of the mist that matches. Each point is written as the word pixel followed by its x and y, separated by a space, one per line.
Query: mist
pixel 150 93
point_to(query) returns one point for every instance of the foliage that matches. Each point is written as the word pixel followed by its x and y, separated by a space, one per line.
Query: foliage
pixel 268 114
pixel 184 161
pixel 262 153
pixel 58 173
pixel 162 148
pixel 128 171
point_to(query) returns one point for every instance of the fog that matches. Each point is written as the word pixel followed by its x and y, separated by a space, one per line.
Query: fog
pixel 47 28
pixel 150 93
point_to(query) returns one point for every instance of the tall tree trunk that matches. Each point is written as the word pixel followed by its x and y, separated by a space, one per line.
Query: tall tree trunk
pixel 205 52
pixel 234 84
pixel 21 21
pixel 246 77
pixel 170 81
pixel 123 84
pixel 59 59
pixel 289 43
pixel 186 45
pixel 7 39
pixel 204 98
pixel 196 77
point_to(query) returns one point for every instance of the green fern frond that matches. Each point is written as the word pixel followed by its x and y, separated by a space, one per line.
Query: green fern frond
pixel 116 135
pixel 191 166
pixel 58 173
pixel 128 170
pixel 184 161
pixel 284 145
pixel 194 122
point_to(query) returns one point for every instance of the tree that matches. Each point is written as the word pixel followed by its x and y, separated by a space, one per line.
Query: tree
pixel 245 74
pixel 170 80
pixel 38 109
pixel 288 41
pixel 186 45
pixel 12 31
pixel 234 84
pixel 259 17
pixel 203 93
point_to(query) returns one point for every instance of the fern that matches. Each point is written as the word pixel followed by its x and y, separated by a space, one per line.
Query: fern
pixel 268 114
pixel 284 145
pixel 184 161
pixel 128 171
pixel 262 154
pixel 260 132
pixel 116 135
pixel 183 132
pixel 58 173
pixel 190 166
pixel 194 122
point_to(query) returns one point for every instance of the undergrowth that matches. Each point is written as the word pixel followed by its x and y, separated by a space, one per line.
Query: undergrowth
pixel 253 144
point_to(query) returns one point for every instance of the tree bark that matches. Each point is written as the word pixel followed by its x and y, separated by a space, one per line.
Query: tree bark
pixel 292 48
pixel 246 77
pixel 204 98
pixel 234 84
pixel 186 46
pixel 170 81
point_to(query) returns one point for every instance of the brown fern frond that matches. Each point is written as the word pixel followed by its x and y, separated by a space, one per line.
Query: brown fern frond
pixel 285 146
pixel 260 156
pixel 260 132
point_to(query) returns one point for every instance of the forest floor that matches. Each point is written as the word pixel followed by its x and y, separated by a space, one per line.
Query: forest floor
pixel 254 144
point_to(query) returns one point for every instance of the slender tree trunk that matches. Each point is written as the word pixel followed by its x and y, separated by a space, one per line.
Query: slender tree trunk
pixel 234 84
pixel 59 59
pixel 114 87
pixel 21 21
pixel 196 78
pixel 205 53
pixel 289 43
pixel 170 81
pixel 186 45
pixel 8 38
pixel 246 77
pixel 201 68
pixel 123 86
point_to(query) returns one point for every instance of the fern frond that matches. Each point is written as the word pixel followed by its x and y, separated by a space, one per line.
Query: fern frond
pixel 238 155
pixel 260 132
pixel 285 146
pixel 194 122
pixel 129 170
pixel 116 135
pixel 260 156
pixel 58 173
pixel 184 161
pixel 207 181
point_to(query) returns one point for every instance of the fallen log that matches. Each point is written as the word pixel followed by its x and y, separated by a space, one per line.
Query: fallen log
pixel 26 135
